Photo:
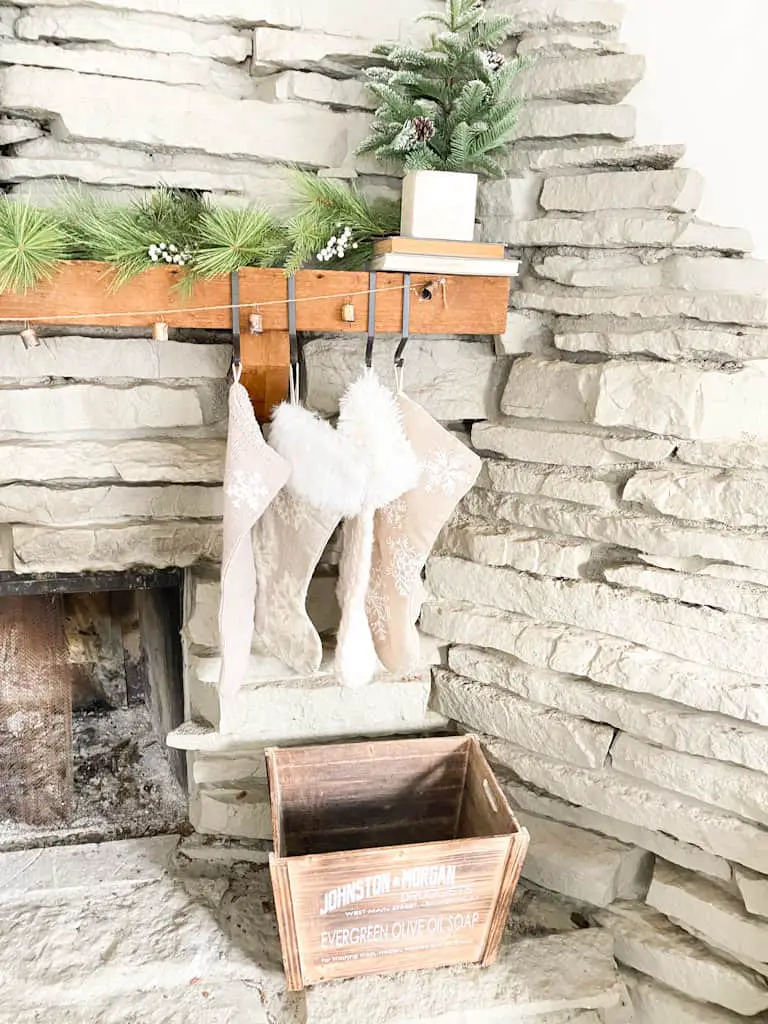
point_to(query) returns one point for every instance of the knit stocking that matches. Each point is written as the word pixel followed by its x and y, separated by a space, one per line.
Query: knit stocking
pixel 326 483
pixel 405 531
pixel 253 474
pixel 370 419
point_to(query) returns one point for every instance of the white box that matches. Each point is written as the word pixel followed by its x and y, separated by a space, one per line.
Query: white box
pixel 439 204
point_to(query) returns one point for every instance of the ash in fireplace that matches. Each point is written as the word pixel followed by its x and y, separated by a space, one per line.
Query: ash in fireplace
pixel 121 772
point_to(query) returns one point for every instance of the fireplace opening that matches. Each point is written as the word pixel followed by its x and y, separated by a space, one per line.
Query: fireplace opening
pixel 90 684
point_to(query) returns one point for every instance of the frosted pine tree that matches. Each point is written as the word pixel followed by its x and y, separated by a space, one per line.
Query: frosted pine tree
pixel 451 106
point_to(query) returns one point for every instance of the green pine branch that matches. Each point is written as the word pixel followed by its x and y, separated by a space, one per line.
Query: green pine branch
pixel 450 105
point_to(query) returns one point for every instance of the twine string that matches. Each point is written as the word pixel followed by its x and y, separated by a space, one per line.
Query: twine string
pixel 176 311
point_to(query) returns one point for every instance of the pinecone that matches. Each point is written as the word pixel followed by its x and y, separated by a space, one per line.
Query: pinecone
pixel 494 60
pixel 423 128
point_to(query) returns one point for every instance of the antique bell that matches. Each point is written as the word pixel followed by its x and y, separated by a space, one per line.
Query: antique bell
pixel 160 331
pixel 348 312
pixel 29 336
pixel 256 323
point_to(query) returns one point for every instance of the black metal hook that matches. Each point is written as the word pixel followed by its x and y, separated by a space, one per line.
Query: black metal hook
pixel 293 339
pixel 371 319
pixel 405 331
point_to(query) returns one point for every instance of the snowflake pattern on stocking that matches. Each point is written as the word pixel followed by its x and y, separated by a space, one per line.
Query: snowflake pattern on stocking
pixel 284 599
pixel 404 564
pixel 376 604
pixel 441 473
pixel 394 513
pixel 292 510
pixel 247 490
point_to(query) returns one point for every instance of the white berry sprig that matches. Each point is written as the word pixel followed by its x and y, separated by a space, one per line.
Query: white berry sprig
pixel 336 246
pixel 163 252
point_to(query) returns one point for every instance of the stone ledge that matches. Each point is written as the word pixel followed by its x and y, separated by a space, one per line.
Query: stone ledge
pixel 754 891
pixel 141 359
pixel 619 271
pixel 583 865
pixel 730 787
pixel 545 806
pixel 658 536
pixel 492 543
pixel 733 642
pixel 735 499
pixel 68 870
pixel 675 342
pixel 532 977
pixel 37 549
pixel 608 230
pixel 68 506
pixel 589 79
pixel 647 942
pixel 611 157
pixel 173 69
pixel 275 48
pixel 653 1002
pixel 297 709
pixel 584 487
pixel 605 659
pixel 310 87
pixel 498 712
pixel 83 407
pixel 385 22
pixel 728 595
pixel 709 912
pixel 141 460
pixel 233 813
pixel 569 445
pixel 641 716
pixel 585 17
pixel 630 800
pixel 549 119
pixel 709 306
pixel 137 114
pixel 162 32
pixel 678 191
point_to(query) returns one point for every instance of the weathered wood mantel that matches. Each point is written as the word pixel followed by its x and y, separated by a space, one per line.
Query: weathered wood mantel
pixel 82 292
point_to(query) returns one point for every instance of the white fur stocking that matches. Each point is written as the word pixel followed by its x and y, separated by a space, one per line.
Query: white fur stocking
pixel 369 418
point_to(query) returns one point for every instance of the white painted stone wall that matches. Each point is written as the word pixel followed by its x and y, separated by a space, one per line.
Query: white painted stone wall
pixel 603 589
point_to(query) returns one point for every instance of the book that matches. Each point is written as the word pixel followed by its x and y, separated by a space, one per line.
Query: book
pixel 403 263
pixel 438 247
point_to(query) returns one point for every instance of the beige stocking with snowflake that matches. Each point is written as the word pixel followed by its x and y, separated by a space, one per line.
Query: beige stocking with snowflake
pixel 405 531
pixel 326 483
pixel 253 474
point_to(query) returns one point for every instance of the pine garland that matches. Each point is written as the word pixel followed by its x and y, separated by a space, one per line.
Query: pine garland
pixel 333 224
pixel 451 106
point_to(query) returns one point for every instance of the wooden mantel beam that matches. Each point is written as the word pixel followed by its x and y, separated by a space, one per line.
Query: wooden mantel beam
pixel 82 292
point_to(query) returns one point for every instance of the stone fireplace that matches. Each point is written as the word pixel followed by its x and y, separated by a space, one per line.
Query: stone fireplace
pixel 598 609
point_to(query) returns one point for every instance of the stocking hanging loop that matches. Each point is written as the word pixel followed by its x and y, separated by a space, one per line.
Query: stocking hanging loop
pixel 293 382
pixel 404 333
pixel 234 285
pixel 371 319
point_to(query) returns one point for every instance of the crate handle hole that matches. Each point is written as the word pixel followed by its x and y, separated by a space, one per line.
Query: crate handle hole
pixel 490 797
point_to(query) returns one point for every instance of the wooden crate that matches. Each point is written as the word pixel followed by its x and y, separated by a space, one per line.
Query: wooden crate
pixel 389 856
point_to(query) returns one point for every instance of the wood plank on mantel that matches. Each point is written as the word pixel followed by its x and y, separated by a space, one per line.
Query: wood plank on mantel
pixel 83 292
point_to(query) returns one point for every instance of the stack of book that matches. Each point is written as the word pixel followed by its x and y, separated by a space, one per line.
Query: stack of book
pixel 434 256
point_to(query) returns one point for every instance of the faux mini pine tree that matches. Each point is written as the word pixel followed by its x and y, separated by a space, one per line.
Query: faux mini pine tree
pixel 452 105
